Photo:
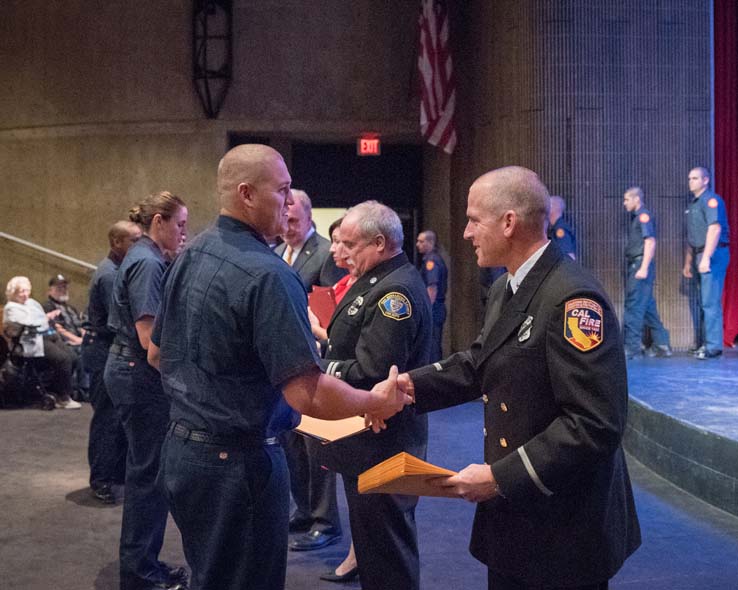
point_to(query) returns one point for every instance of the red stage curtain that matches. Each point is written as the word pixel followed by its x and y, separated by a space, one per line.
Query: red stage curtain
pixel 726 145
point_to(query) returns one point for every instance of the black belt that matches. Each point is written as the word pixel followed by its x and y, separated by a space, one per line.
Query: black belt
pixel 201 436
pixel 633 259
pixel 127 351
pixel 700 249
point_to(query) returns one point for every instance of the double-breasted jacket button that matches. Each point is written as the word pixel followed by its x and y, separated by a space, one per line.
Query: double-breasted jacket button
pixel 485 399
pixel 503 443
pixel 485 431
pixel 503 407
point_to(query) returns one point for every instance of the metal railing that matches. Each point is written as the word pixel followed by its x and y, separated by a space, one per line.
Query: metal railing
pixel 33 246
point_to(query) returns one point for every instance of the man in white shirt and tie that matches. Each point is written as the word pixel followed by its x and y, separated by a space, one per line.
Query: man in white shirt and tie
pixel 304 249
pixel 313 488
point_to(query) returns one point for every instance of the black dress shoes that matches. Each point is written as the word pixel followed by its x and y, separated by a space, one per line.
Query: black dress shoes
pixel 342 578
pixel 140 584
pixel 171 585
pixel 300 525
pixel 314 540
pixel 104 493
pixel 177 574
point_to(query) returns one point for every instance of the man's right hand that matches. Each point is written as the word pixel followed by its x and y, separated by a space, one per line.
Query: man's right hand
pixel 406 385
pixel 687 271
pixel 393 400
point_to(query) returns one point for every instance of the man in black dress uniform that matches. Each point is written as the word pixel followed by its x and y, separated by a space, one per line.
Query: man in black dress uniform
pixel 383 320
pixel 555 507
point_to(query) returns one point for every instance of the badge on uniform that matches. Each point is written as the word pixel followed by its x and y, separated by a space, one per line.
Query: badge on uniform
pixel 355 305
pixel 430 265
pixel 712 203
pixel 560 233
pixel 583 327
pixel 525 327
pixel 644 218
pixel 396 306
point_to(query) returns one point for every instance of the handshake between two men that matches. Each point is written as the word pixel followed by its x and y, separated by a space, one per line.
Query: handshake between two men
pixel 322 396
pixel 474 483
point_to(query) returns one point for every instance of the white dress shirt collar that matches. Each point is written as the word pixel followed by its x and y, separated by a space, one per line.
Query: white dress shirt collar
pixel 524 269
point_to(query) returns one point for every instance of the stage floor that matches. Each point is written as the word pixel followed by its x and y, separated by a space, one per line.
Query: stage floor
pixel 703 394
pixel 53 535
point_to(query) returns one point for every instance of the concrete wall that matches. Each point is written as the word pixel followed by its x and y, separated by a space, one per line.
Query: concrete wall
pixel 97 109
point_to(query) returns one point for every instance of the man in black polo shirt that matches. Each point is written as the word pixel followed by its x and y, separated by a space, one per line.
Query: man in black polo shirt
pixel 233 343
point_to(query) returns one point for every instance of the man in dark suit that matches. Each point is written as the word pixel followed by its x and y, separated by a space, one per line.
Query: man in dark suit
pixel 304 249
pixel 554 502
pixel 313 488
pixel 383 320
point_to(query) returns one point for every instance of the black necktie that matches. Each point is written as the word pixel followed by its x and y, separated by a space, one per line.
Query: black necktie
pixel 508 293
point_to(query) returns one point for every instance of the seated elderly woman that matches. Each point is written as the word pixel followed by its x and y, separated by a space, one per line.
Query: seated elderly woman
pixel 25 319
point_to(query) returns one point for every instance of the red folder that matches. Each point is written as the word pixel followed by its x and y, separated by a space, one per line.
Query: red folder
pixel 322 302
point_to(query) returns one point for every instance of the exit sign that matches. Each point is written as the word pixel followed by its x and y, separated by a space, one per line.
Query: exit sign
pixel 368 146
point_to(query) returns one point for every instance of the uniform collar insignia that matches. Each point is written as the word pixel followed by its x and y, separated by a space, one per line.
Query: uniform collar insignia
pixel 355 305
pixel 525 328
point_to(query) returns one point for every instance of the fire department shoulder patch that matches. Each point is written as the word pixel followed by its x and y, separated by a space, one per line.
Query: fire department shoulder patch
pixel 583 326
pixel 712 203
pixel 560 233
pixel 396 306
pixel 644 218
pixel 430 265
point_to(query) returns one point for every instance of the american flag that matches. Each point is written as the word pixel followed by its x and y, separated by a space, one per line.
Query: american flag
pixel 438 97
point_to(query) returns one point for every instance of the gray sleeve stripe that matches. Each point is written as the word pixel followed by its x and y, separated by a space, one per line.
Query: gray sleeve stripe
pixel 532 472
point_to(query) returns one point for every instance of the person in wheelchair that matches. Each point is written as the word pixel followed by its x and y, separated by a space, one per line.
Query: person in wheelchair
pixel 25 319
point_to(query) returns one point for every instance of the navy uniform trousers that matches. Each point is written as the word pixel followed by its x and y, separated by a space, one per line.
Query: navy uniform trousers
pixel 234 496
pixel 640 309
pixel 108 446
pixel 136 390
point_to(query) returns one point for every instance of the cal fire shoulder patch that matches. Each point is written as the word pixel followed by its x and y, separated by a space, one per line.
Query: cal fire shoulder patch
pixel 583 326
pixel 396 306
pixel 430 265
pixel 644 218
pixel 712 203
pixel 560 233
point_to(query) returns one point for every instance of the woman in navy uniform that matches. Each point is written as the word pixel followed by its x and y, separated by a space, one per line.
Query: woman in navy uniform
pixel 136 390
